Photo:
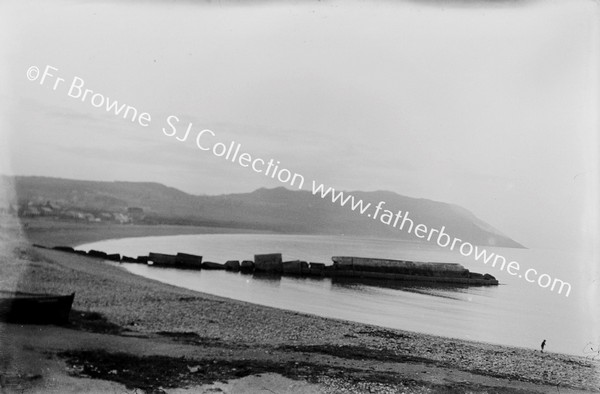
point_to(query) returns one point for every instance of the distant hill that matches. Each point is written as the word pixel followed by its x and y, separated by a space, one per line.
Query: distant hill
pixel 277 209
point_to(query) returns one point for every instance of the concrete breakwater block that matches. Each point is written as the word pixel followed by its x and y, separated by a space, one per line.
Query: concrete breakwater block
pixel 113 257
pixel 209 265
pixel 127 259
pixel 67 249
pixel 186 260
pixel 407 270
pixel 247 266
pixel 271 262
pixel 232 265
pixel 161 259
pixel 96 253
pixel 317 269
pixel 345 263
pixel 296 267
pixel 483 277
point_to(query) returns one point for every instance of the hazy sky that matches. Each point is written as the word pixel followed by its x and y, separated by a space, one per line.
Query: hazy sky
pixel 493 108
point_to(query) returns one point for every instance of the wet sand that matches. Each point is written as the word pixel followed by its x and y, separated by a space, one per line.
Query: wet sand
pixel 130 332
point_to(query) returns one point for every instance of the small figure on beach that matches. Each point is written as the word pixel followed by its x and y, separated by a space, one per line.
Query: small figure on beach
pixel 543 345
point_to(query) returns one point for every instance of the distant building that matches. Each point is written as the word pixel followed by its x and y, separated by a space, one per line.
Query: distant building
pixel 74 214
pixel 53 206
pixel 135 213
pixel 121 218
pixel 31 211
pixel 89 217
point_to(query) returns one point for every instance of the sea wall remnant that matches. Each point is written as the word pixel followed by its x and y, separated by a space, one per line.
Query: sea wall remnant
pixel 416 271
pixel 342 267
pixel 454 270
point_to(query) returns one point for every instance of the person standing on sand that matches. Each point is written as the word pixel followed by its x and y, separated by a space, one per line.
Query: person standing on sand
pixel 543 344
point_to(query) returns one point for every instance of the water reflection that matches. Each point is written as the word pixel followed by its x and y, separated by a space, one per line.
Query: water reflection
pixel 265 278
pixel 443 290
pixel 514 314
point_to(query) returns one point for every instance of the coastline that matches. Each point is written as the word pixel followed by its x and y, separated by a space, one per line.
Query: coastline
pixel 54 233
pixel 144 318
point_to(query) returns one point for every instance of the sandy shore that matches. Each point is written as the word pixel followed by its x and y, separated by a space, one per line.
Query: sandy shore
pixel 132 333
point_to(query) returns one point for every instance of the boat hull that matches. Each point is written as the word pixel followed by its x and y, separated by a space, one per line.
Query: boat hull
pixel 36 309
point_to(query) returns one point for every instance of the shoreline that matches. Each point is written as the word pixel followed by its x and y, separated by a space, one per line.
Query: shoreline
pixel 98 233
pixel 197 324
pixel 73 234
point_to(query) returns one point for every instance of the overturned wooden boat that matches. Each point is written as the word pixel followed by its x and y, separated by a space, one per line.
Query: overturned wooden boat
pixel 26 308
pixel 404 270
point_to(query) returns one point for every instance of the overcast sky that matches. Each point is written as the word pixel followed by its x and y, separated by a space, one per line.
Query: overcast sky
pixel 493 108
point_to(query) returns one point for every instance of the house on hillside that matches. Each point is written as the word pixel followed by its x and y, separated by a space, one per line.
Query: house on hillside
pixel 90 217
pixel 46 211
pixel 31 211
pixel 121 218
pixel 106 216
pixel 52 206
pixel 74 214
pixel 135 213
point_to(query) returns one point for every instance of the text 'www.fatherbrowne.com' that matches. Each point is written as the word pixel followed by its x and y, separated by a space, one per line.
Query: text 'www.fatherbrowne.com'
pixel 401 220
pixel 208 141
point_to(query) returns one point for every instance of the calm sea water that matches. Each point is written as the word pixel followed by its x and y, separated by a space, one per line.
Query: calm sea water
pixel 515 313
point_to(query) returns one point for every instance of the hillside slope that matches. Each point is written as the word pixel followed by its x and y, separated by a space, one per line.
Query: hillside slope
pixel 278 209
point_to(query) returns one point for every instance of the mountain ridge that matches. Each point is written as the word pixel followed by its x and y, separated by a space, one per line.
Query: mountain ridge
pixel 275 209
